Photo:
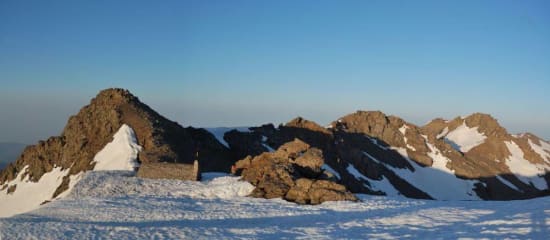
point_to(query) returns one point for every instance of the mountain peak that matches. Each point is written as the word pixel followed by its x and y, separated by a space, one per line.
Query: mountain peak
pixel 94 127
pixel 114 96
pixel 374 124
pixel 486 124
pixel 481 118
pixel 370 120
pixel 300 122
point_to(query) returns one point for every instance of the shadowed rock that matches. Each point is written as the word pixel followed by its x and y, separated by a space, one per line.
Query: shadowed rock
pixel 294 173
pixel 87 132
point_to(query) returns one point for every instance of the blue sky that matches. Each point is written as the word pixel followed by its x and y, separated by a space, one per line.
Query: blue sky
pixel 239 63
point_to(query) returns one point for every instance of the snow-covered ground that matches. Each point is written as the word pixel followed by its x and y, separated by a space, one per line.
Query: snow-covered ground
pixel 119 154
pixel 117 205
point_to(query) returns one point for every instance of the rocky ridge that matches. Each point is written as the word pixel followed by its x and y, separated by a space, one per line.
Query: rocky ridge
pixel 87 132
pixel 378 154
pixel 466 158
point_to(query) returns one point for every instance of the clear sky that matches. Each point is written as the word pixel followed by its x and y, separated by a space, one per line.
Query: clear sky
pixel 240 63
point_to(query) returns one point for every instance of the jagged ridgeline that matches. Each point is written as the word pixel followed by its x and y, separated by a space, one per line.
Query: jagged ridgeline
pixel 467 158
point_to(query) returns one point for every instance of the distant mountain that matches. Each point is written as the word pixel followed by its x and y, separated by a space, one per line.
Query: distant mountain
pixel 467 158
pixel 9 152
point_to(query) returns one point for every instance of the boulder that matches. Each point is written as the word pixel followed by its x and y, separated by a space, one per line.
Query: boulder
pixel 293 173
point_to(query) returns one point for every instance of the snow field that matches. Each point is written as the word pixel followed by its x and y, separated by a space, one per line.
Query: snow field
pixel 118 205
pixel 464 138
pixel 29 195
pixel 120 154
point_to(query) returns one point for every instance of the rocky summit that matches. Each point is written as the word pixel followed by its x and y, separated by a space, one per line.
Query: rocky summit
pixel 63 158
pixel 466 158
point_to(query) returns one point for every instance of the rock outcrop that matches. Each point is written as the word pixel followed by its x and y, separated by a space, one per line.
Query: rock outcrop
pixel 88 132
pixel 467 158
pixel 293 172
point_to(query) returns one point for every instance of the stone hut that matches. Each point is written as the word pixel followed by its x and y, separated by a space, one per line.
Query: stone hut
pixel 166 170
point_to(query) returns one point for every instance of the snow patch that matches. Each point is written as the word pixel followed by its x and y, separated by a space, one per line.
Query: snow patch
pixel 353 171
pixel 326 167
pixel 434 181
pixel 382 185
pixel 524 170
pixel 207 176
pixel 439 161
pixel 375 142
pixel 264 140
pixel 29 195
pixel 465 138
pixel 220 132
pixel 507 183
pixel 121 153
pixel 443 133
pixel 385 186
pixel 270 149
pixel 403 130
pixel 543 149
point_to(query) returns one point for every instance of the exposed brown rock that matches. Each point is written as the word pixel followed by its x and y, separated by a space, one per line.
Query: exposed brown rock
pixel 307 191
pixel 374 124
pixel 487 124
pixel 294 173
pixel 87 132
pixel 523 142
pixel 300 122
pixel 12 188
pixel 379 135
pixel 368 140
pixel 434 127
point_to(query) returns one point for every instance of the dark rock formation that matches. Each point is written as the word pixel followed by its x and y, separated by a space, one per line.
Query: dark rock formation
pixel 294 173
pixel 379 147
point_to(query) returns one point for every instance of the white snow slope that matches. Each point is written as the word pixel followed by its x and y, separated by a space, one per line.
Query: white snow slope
pixel 120 154
pixel 116 205
pixel 524 170
pixel 220 131
pixel 28 195
pixel 464 138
